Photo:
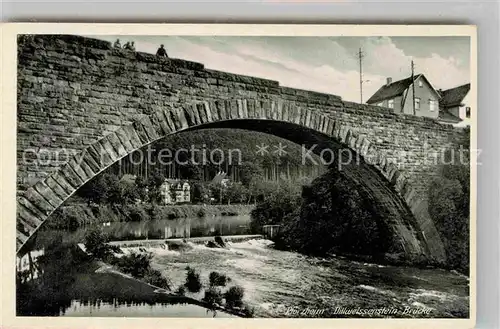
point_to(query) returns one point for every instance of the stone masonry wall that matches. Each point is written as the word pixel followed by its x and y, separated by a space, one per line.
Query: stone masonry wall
pixel 74 90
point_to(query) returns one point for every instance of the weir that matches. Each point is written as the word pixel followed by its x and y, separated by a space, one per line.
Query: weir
pixel 197 240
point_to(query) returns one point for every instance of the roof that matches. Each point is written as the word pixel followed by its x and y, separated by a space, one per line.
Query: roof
pixel 172 181
pixel 397 88
pixel 446 116
pixel 128 178
pixel 391 90
pixel 454 96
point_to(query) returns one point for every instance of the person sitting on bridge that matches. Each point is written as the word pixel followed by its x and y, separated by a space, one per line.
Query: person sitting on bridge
pixel 161 52
pixel 117 44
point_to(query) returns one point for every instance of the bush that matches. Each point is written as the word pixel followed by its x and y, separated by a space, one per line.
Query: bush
pixel 218 279
pixel 193 282
pixel 234 297
pixel 137 265
pixel 95 242
pixel 155 278
pixel 181 291
pixel 248 311
pixel 213 297
pixel 137 213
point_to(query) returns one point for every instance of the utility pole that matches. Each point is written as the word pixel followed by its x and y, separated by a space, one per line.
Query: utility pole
pixel 360 57
pixel 413 84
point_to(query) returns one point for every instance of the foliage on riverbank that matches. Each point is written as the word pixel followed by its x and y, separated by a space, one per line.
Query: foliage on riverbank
pixel 68 274
pixel 138 265
pixel 283 201
pixel 231 299
pixel 449 202
pixel 72 216
pixel 332 215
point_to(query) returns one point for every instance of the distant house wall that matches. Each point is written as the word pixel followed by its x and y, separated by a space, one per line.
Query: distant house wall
pixel 397 103
pixel 165 192
pixel 462 110
pixel 398 100
pixel 182 192
pixel 466 103
pixel 425 93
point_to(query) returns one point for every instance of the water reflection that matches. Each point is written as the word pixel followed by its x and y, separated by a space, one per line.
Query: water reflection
pixel 179 228
pixel 129 308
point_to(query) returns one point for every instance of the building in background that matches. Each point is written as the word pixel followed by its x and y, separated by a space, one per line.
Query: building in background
pixel 455 103
pixel 175 191
pixel 398 95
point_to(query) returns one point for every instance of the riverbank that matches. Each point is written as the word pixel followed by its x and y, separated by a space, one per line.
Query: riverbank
pixel 288 284
pixel 276 284
pixel 75 215
pixel 90 285
pixel 101 290
pixel 139 291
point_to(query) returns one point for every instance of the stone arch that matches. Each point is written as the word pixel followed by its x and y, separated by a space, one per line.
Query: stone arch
pixel 39 201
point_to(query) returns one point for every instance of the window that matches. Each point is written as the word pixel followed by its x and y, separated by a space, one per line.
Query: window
pixel 391 103
pixel 420 83
pixel 380 104
pixel 467 112
pixel 433 105
pixel 417 103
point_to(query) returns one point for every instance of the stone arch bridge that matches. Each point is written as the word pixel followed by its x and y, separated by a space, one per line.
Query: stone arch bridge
pixel 99 104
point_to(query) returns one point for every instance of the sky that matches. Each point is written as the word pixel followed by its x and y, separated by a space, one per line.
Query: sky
pixel 323 64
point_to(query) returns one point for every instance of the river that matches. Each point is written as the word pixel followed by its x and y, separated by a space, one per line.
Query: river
pixel 288 284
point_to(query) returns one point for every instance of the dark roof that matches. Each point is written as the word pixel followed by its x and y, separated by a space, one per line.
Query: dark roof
pixel 454 96
pixel 446 116
pixel 393 89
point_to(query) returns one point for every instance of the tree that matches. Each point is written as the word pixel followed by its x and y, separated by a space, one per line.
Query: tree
pixel 333 214
pixel 218 279
pixel 138 265
pixel 114 193
pixel 216 191
pixel 277 204
pixel 141 188
pixel 250 172
pixel 235 192
pixel 193 282
pixel 449 200
pixel 154 183
pixel 200 192
pixel 95 190
pixel 191 171
pixel 95 242
pixel 130 193
pixel 213 297
pixel 234 297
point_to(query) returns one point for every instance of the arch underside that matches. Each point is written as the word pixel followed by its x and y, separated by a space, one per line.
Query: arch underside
pixel 408 216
